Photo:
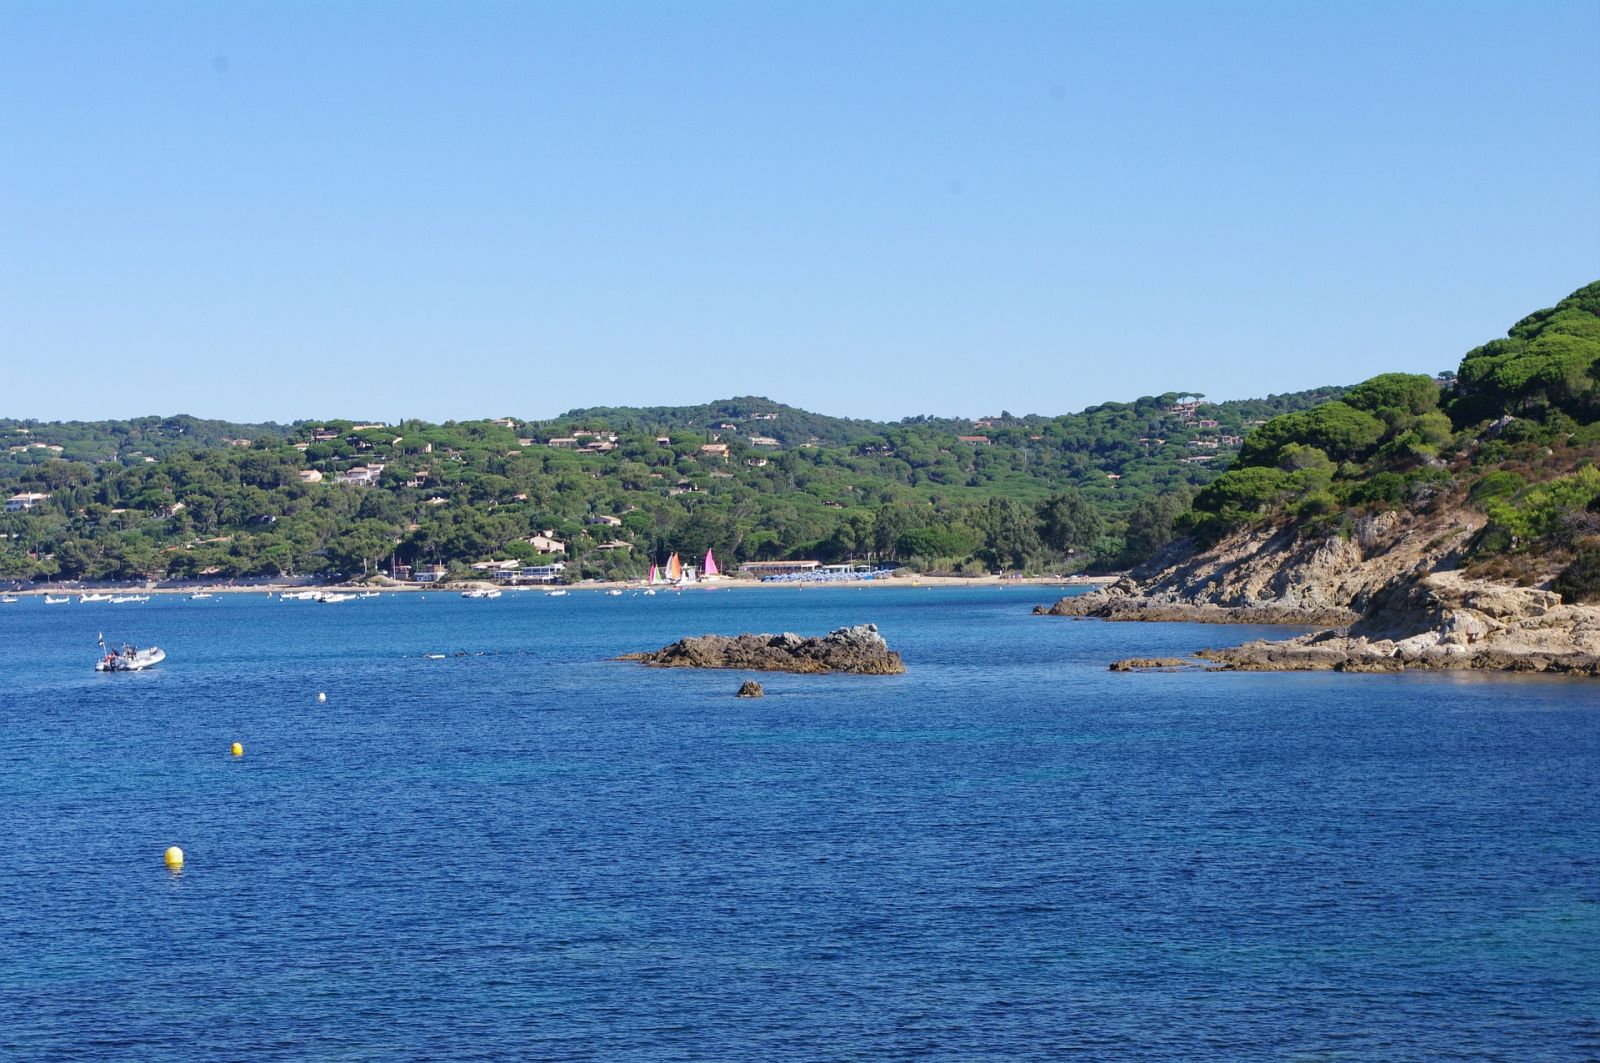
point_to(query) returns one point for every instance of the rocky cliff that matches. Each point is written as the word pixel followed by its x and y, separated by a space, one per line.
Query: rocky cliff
pixel 1388 597
pixel 858 650
pixel 1281 575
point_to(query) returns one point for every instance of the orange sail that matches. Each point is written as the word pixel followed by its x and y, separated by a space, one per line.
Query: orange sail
pixel 674 569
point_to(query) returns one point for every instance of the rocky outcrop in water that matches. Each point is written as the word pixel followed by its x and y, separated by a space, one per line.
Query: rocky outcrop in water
pixel 1153 664
pixel 751 689
pixel 858 650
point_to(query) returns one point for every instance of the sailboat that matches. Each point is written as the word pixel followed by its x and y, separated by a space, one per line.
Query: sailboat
pixel 674 569
pixel 655 575
pixel 710 569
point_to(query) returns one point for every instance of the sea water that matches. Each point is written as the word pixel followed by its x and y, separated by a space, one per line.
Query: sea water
pixel 524 849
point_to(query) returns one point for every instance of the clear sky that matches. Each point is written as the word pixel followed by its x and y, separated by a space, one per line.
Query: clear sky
pixel 282 210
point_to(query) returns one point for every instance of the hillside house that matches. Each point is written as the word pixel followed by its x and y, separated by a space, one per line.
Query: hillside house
pixel 310 476
pixel 360 476
pixel 764 441
pixel 25 500
pixel 715 450
pixel 545 543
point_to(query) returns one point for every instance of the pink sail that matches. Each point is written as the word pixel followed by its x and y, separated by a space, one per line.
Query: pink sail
pixel 710 568
pixel 655 573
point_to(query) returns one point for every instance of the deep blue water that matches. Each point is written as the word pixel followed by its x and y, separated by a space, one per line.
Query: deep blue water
pixel 1008 853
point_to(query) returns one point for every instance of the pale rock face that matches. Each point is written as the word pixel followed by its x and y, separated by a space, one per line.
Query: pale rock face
pixel 1391 593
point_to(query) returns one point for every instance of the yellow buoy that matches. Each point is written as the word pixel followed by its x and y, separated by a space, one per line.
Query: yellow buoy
pixel 238 750
pixel 174 857
pixel 322 697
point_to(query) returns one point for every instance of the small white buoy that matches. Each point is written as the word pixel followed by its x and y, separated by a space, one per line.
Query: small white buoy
pixel 322 697
pixel 174 857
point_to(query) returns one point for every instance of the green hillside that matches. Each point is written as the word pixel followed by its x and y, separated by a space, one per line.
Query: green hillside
pixel 754 479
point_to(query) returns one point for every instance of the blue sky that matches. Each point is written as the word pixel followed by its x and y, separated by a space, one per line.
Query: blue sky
pixel 449 210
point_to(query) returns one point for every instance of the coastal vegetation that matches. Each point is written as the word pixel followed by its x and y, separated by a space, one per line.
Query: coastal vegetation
pixel 613 489
pixel 1513 434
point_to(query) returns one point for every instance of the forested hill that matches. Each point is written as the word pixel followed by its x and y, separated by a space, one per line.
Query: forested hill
pixel 753 478
pixel 789 425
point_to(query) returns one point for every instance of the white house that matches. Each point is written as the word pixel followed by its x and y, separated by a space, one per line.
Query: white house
pixel 361 475
pixel 25 500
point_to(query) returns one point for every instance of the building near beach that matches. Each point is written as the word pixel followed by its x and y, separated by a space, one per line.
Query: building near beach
pixel 759 569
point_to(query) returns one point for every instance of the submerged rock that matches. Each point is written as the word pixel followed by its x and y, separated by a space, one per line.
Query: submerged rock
pixel 751 689
pixel 858 650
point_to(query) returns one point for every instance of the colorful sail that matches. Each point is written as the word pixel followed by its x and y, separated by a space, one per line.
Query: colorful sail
pixel 655 573
pixel 674 569
pixel 710 568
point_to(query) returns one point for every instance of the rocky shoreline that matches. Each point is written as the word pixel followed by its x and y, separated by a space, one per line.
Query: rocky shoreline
pixel 1389 598
pixel 858 650
pixel 1441 621
pixel 1106 605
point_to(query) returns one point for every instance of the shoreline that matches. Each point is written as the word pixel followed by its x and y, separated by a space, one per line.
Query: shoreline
pixel 962 582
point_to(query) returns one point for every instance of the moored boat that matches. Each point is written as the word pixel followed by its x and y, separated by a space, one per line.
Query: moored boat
pixel 479 593
pixel 198 596
pixel 124 599
pixel 8 599
pixel 48 600
pixel 93 598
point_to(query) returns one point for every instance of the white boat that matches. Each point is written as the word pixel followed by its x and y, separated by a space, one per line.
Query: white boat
pixel 297 596
pixel 8 599
pixel 94 598
pixel 480 594
pixel 55 601
pixel 649 592
pixel 370 594
pixel 614 593
pixel 199 596
pixel 328 597
pixel 558 593
pixel 124 599
pixel 128 659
